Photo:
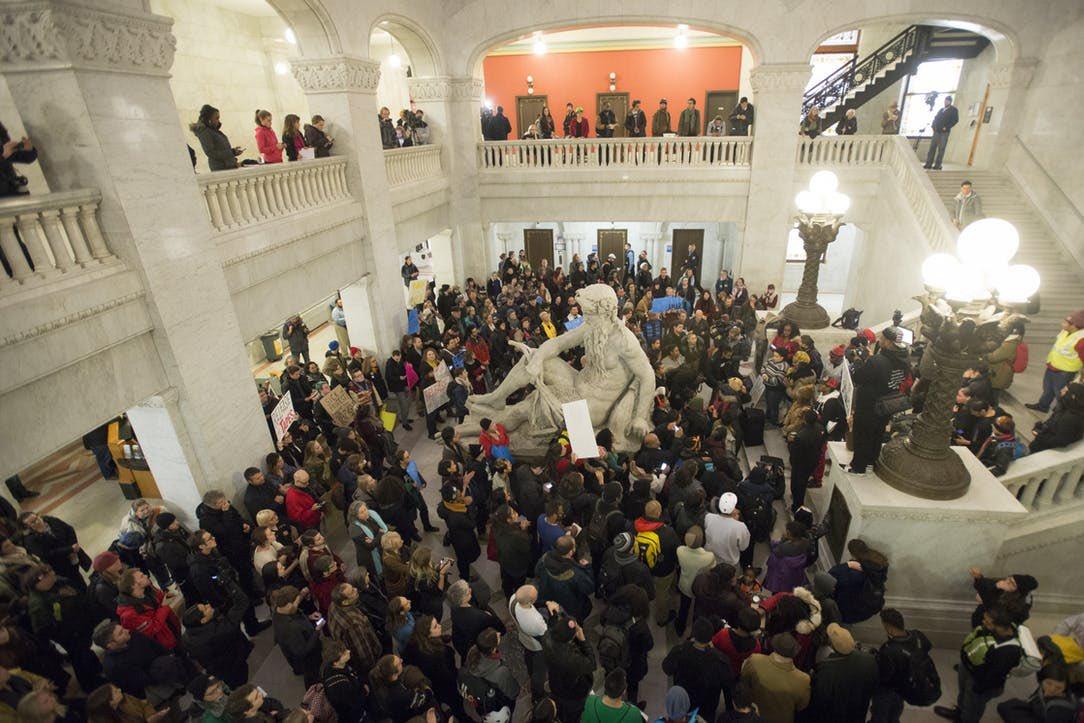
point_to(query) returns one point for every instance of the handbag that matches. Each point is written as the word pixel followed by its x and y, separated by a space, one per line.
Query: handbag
pixel 891 404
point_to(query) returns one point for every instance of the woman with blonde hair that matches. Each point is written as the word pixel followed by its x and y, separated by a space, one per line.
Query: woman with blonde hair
pixel 427 582
pixel 319 469
pixel 396 568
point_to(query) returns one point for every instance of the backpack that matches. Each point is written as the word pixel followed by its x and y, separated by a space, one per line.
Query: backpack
pixel 871 599
pixel 480 693
pixel 759 517
pixel 316 702
pixel 613 647
pixel 773 466
pixel 849 319
pixel 648 547
pixel 596 526
pixel 1020 361
pixel 1019 449
pixel 609 577
pixel 923 685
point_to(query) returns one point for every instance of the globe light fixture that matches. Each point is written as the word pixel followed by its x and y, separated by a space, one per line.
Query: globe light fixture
pixel 820 212
pixel 282 67
pixel 681 42
pixel 971 303
pixel 291 38
pixel 395 61
pixel 539 45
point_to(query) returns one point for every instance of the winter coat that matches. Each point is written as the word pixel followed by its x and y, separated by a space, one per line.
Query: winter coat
pixel 215 144
pixel 462 531
pixel 216 583
pixel 13 183
pixel 967 209
pixel 54 546
pixel 660 122
pixel 666 561
pixel 349 624
pixel 317 139
pixel 785 566
pixel 298 640
pixel 221 648
pixel 847 126
pixel 299 509
pixel 571 666
pixel 467 622
pixel 293 143
pixel 736 648
pixel 776 686
pixel 515 552
pixel 565 582
pixel 268 145
pixel 141 663
pixel 842 688
pixel 148 616
pixel 850 584
pixel 689 122
pixel 739 126
pixel 703 672
pixel 387 133
pixel 1000 361
pixel 496 674
pixel 228 528
pixel 262 497
pixel 894 659
pixel 1062 428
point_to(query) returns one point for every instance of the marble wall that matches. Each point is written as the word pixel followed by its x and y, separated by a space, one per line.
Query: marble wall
pixel 232 61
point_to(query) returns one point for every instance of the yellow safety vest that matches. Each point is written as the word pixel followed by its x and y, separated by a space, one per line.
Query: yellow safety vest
pixel 1063 356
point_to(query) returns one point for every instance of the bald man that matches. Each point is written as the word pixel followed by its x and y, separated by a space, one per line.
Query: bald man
pixel 652 457
pixel 531 626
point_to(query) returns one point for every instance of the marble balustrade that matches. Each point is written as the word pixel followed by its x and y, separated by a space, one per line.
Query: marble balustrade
pixel 59 232
pixel 407 165
pixel 1052 480
pixel 250 195
pixel 562 153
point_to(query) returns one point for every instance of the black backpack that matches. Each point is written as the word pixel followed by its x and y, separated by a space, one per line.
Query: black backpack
pixel 596 526
pixel 480 693
pixel 923 685
pixel 871 598
pixel 773 467
pixel 613 647
pixel 759 516
pixel 609 577
pixel 848 320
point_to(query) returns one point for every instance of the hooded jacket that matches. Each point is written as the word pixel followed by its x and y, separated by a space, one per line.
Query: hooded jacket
pixel 215 144
pixel 228 528
pixel 497 674
pixel 566 583
pixel 1065 426
pixel 785 567
pixel 148 616
pixel 316 138
pixel 849 586
pixel 221 648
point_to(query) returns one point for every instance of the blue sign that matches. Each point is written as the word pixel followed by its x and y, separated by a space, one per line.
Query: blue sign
pixel 665 304
pixel 412 324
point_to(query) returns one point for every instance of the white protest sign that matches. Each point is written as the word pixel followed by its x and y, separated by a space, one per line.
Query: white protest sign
pixel 581 433
pixel 846 387
pixel 436 394
pixel 283 415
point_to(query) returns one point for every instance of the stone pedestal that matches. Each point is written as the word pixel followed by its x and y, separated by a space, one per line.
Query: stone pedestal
pixel 930 544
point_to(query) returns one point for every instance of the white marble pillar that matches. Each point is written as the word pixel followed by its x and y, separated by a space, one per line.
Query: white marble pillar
pixel 1009 83
pixel 91 84
pixel 454 103
pixel 777 97
pixel 159 426
pixel 343 90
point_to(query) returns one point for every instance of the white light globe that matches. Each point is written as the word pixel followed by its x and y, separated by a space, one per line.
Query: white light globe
pixel 395 61
pixel 824 182
pixel 539 47
pixel 838 203
pixel 282 68
pixel 291 38
pixel 938 270
pixel 966 285
pixel 988 242
pixel 808 202
pixel 1016 284
pixel 681 41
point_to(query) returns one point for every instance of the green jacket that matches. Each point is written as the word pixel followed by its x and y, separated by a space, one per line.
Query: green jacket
pixel 660 122
pixel 689 122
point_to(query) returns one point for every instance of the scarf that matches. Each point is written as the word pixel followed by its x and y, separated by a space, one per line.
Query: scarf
pixel 367 529
pixel 456 506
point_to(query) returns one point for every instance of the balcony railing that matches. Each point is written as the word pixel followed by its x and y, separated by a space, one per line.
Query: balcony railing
pixel 254 194
pixel 407 165
pixel 592 153
pixel 894 153
pixel 59 232
pixel 1048 481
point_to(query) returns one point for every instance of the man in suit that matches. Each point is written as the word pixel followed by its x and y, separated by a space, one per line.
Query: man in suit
pixel 942 125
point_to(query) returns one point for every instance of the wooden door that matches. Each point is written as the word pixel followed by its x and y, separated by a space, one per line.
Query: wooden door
pixel 539 245
pixel 619 104
pixel 612 241
pixel 528 108
pixel 719 102
pixel 683 238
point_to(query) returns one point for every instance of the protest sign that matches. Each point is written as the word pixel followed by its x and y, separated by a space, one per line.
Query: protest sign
pixel 283 415
pixel 581 433
pixel 436 394
pixel 340 407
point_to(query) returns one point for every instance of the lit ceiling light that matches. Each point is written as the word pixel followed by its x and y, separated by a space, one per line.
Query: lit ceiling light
pixel 282 68
pixel 539 46
pixel 530 90
pixel 530 78
pixel 488 103
pixel 290 37
pixel 613 87
pixel 683 28
pixel 395 61
pixel 681 41
pixel 613 76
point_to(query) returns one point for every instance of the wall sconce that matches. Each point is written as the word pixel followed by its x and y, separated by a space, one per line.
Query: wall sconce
pixel 613 81
pixel 530 85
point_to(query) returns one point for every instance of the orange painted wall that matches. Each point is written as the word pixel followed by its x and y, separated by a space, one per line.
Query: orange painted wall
pixel 645 74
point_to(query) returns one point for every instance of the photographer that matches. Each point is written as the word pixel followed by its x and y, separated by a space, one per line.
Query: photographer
pixel 875 379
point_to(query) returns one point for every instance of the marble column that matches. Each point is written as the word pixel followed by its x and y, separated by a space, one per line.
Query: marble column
pixel 777 90
pixel 159 426
pixel 1009 83
pixel 343 90
pixel 454 104
pixel 91 84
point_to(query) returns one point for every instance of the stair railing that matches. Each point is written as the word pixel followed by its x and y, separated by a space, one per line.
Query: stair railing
pixel 835 87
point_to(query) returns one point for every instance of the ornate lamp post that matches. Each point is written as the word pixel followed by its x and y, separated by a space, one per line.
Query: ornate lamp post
pixel 820 212
pixel 967 311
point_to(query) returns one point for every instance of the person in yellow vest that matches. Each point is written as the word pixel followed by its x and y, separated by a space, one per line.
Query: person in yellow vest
pixel 1064 362
pixel 548 327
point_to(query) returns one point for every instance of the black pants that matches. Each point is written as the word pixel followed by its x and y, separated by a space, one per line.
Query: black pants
pixel 800 475
pixel 536 671
pixel 868 435
pixel 683 611
pixel 87 667
pixel 570 710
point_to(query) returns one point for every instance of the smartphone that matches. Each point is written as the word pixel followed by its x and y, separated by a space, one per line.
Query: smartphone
pixel 709 466
pixel 548 486
pixel 664 467
pixel 321 623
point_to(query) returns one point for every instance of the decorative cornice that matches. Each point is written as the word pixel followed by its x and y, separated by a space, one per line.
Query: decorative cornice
pixel 312 231
pixel 779 77
pixel 342 74
pixel 1019 73
pixel 75 318
pixel 443 87
pixel 52 34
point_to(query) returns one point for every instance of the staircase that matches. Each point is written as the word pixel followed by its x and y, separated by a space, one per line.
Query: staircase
pixel 862 79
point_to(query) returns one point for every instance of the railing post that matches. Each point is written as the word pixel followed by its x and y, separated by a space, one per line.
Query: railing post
pixel 9 243
pixel 27 224
pixel 54 236
pixel 69 217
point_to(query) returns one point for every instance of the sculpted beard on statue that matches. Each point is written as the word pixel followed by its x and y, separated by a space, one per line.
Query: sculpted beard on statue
pixel 616 380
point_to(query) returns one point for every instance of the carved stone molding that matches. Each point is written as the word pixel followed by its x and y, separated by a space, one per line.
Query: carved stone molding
pixel 779 77
pixel 443 87
pixel 336 75
pixel 1019 73
pixel 52 35
pixel 73 318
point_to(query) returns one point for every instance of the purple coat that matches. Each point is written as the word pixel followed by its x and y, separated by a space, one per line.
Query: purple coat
pixel 784 573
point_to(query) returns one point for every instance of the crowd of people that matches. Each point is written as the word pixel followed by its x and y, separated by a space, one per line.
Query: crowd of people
pixel 591 554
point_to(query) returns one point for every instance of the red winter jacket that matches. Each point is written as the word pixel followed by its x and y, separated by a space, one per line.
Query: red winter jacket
pixel 489 439
pixel 299 508
pixel 724 643
pixel 148 616
pixel 268 144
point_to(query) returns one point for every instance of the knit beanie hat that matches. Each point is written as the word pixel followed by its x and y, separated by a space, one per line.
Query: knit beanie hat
pixel 199 685
pixel 104 561
pixel 165 519
pixel 624 549
pixel 840 639
pixel 823 584
pixel 1025 584
pixel 677 703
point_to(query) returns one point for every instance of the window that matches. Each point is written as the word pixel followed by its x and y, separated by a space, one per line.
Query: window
pixel 824 64
pixel 926 95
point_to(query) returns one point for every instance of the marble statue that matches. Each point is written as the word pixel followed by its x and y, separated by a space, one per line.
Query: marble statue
pixel 616 380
